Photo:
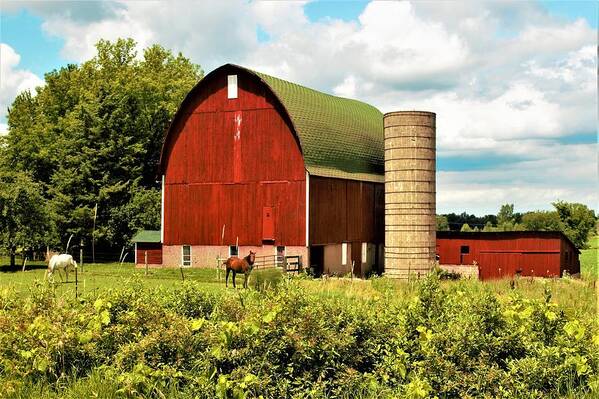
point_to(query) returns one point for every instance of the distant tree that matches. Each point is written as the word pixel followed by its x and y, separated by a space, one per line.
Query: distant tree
pixel 489 227
pixel 542 221
pixel 506 214
pixel 93 134
pixel 578 221
pixel 25 221
pixel 466 228
pixel 442 223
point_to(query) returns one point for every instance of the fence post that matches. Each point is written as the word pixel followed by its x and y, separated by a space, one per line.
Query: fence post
pixel 146 261
pixel 81 255
pixel 76 284
pixel 24 263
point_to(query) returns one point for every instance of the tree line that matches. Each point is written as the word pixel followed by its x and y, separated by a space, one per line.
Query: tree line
pixel 83 150
pixel 577 221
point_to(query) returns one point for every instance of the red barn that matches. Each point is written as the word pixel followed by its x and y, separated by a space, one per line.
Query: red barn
pixel 274 167
pixel 505 254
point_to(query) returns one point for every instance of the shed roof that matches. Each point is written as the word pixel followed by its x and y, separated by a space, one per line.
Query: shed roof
pixel 146 236
pixel 339 137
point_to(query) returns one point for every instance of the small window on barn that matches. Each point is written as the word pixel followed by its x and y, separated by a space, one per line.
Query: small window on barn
pixel 344 253
pixel 186 255
pixel 364 252
pixel 233 250
pixel 232 86
pixel 464 249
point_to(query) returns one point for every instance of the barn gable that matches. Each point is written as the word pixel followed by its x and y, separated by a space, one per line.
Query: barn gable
pixel 339 137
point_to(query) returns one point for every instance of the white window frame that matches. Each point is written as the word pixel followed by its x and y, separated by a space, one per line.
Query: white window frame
pixel 344 253
pixel 232 91
pixel 230 253
pixel 364 252
pixel 183 256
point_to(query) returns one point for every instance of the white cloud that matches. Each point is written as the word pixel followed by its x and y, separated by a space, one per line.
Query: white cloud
pixel 557 173
pixel 506 79
pixel 13 80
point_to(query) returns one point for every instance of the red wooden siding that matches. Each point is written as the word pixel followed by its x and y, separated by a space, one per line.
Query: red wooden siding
pixel 506 254
pixel 226 161
pixel 345 211
pixel 154 251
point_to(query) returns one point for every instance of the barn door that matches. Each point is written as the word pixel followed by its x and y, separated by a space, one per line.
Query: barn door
pixel 268 223
pixel 356 257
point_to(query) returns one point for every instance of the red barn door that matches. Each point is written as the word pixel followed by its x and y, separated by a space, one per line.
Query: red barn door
pixel 268 223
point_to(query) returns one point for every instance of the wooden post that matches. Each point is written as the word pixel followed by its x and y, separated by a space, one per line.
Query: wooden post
pixel 24 263
pixel 182 275
pixel 122 252
pixel 146 261
pixel 81 255
pixel 76 284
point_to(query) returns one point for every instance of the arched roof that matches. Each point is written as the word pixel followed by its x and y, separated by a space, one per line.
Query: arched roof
pixel 339 137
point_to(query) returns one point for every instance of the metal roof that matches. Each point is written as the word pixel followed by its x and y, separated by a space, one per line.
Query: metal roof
pixel 339 137
pixel 146 236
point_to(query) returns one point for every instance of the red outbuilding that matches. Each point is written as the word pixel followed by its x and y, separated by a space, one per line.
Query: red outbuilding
pixel 253 162
pixel 506 254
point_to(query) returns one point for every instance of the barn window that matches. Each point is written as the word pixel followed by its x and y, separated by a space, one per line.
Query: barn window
pixel 233 250
pixel 364 252
pixel 344 253
pixel 186 255
pixel 232 86
pixel 464 249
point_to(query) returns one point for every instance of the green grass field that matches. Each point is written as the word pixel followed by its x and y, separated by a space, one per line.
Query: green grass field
pixel 589 260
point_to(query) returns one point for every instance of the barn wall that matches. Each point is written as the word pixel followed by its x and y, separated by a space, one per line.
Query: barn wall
pixel 345 211
pixel 205 256
pixel 225 161
pixel 154 251
pixel 501 256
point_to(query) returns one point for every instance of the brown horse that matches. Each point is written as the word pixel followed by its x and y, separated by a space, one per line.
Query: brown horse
pixel 244 265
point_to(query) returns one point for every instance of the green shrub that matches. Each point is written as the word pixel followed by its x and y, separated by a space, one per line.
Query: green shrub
pixel 412 340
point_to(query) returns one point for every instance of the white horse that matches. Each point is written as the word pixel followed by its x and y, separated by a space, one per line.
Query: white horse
pixel 59 261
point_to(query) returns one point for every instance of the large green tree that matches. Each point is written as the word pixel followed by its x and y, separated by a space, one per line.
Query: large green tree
pixel 578 221
pixel 25 221
pixel 93 134
pixel 542 221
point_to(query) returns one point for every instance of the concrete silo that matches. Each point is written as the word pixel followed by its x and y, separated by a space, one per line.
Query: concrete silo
pixel 410 224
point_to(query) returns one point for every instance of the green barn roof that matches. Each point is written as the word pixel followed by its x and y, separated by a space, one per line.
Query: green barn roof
pixel 339 137
pixel 146 236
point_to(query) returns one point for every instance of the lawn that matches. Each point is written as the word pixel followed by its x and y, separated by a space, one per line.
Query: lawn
pixel 589 259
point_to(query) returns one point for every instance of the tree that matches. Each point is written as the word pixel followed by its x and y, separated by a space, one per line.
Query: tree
pixel 542 221
pixel 578 221
pixel 489 227
pixel 25 221
pixel 466 228
pixel 442 223
pixel 93 134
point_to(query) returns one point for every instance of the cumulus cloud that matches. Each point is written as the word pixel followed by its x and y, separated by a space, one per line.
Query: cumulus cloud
pixel 506 79
pixel 13 80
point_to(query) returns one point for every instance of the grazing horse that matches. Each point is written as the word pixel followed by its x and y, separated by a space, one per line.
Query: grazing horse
pixel 244 265
pixel 59 261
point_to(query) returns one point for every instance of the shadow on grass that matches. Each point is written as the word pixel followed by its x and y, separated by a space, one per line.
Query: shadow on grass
pixel 19 267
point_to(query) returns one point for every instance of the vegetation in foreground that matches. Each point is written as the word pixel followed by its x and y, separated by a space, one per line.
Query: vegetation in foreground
pixel 298 338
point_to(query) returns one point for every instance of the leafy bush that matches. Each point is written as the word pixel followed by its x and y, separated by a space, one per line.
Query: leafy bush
pixel 460 342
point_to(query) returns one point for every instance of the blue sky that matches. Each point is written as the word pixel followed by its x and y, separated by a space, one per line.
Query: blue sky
pixel 525 68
